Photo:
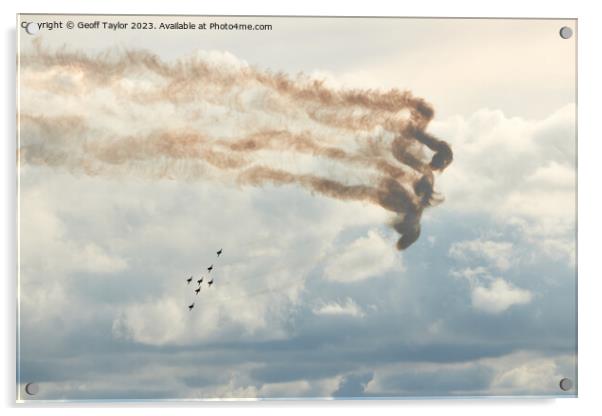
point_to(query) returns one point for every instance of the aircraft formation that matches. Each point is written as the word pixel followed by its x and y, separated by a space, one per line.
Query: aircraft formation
pixel 200 281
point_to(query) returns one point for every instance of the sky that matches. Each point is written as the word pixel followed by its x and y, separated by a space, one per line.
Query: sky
pixel 311 296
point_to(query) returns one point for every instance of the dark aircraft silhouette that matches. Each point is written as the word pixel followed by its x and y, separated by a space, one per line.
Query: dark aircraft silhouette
pixel 198 290
pixel 189 279
pixel 210 268
pixel 200 281
pixel 191 306
pixel 219 252
pixel 210 282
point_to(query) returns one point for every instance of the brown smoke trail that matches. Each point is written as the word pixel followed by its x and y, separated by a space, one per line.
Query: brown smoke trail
pixel 230 118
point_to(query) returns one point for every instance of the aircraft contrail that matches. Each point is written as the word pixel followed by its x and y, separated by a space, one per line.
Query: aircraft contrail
pixel 211 116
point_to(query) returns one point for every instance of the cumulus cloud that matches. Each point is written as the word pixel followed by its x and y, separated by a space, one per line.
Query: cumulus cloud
pixel 48 245
pixel 353 385
pixel 420 379
pixel 529 376
pixel 490 294
pixel 365 257
pixel 497 253
pixel 525 372
pixel 134 261
pixel 519 172
pixel 516 373
pixel 349 307
pixel 301 388
pixel 498 296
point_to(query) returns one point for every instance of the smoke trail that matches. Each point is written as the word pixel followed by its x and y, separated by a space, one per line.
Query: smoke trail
pixel 211 116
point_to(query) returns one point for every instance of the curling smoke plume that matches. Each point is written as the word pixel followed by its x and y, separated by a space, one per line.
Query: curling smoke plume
pixel 213 117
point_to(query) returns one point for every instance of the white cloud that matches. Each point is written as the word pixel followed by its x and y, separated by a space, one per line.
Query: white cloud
pixel 553 175
pixel 159 233
pixel 301 388
pixel 517 373
pixel 559 248
pixel 519 172
pixel 156 322
pixel 366 257
pixel 232 390
pixel 498 296
pixel 470 273
pixel 53 257
pixel 95 259
pixel 223 60
pixel 524 372
pixel 529 376
pixel 495 253
pixel 47 247
pixel 349 307
pixel 490 294
pixel 496 157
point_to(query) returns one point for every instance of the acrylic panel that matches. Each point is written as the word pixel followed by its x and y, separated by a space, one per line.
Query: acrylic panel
pixel 267 207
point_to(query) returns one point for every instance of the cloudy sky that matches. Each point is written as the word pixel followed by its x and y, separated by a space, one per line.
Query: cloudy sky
pixel 311 296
